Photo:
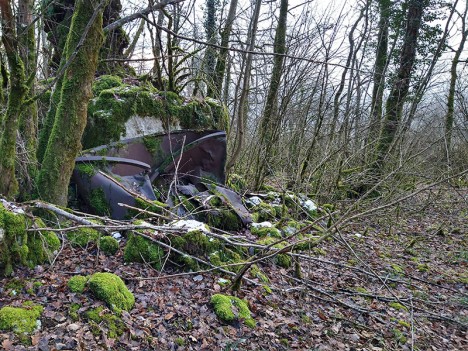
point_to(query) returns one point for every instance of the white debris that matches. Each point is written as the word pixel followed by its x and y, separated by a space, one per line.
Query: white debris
pixel 262 225
pixel 254 200
pixel 116 235
pixel 190 225
pixel 309 205
pixel 358 235
pixel 198 278
pixel 2 234
pixel 222 281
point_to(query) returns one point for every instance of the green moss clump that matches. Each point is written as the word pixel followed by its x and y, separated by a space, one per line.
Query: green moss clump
pixel 397 306
pixel 225 257
pixel 83 236
pixel 265 212
pixel 86 169
pixel 100 316
pixel 257 273
pixel 77 283
pixel 111 289
pixel 42 245
pixel 263 232
pixel 73 311
pixel 151 206
pixel 106 82
pixel 195 243
pixel 283 260
pixel 108 245
pixel 98 202
pixel 13 240
pixel 231 308
pixel 20 320
pixel 140 249
pixel 224 219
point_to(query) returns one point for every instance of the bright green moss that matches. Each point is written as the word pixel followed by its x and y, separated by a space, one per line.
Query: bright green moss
pixel 257 273
pixel 114 325
pixel 77 283
pixel 98 202
pixel 283 260
pixel 111 289
pixel 231 308
pixel 265 212
pixel 83 236
pixel 106 82
pixel 236 182
pixel 13 240
pixel 397 306
pixel 263 232
pixel 195 243
pixel 226 257
pixel 42 245
pixel 86 169
pixel 108 245
pixel 224 219
pixel 139 249
pixel 73 311
pixel 20 320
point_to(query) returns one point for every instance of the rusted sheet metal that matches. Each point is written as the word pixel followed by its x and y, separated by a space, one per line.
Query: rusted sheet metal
pixel 122 171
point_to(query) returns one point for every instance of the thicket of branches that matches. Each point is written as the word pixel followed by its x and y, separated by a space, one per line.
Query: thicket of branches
pixel 343 99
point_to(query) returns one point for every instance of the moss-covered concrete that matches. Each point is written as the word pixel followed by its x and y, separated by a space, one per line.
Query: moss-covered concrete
pixel 231 309
pixel 114 103
pixel 20 320
pixel 112 290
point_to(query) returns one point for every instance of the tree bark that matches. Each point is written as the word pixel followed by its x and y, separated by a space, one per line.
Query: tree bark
pixel 64 143
pixel 400 87
pixel 271 120
pixel 16 95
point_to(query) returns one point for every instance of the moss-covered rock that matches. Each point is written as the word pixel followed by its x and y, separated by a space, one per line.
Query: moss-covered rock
pixel 112 290
pixel 108 245
pixel 17 246
pixel 77 283
pixel 140 249
pixel 225 219
pixel 20 320
pixel 83 236
pixel 231 309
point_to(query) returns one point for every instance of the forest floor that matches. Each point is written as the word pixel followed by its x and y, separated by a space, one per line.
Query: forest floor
pixel 390 281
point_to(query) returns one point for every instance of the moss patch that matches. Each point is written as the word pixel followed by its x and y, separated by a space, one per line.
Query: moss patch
pixel 101 316
pixel 108 245
pixel 20 319
pixel 231 309
pixel 77 283
pixel 111 289
pixel 140 249
pixel 83 236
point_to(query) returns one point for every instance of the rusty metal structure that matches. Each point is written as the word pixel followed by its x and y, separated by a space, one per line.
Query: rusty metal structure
pixel 125 171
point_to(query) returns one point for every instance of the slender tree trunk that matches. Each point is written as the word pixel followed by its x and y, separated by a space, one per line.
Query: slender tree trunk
pixel 380 67
pixel 222 56
pixel 449 117
pixel 271 119
pixel 65 139
pixel 400 87
pixel 16 95
pixel 243 100
pixel 29 117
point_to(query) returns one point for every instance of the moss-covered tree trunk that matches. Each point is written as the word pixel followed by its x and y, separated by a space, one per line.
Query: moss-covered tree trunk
pixel 380 66
pixel 28 120
pixel 16 94
pixel 401 84
pixel 271 119
pixel 82 48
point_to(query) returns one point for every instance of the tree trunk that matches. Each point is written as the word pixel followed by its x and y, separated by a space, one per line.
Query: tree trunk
pixel 222 56
pixel 243 101
pixel 380 67
pixel 451 95
pixel 271 121
pixel 16 94
pixel 83 44
pixel 28 120
pixel 400 87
